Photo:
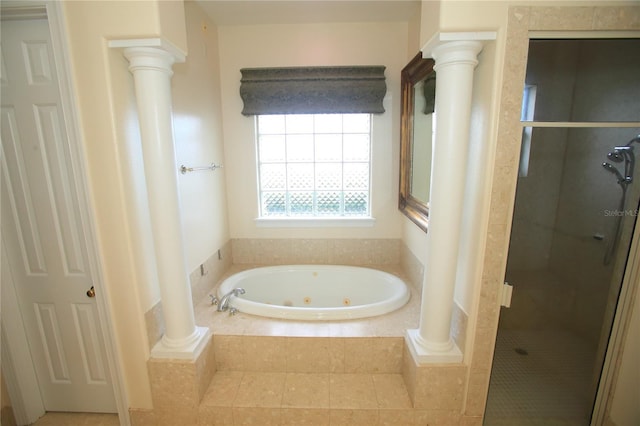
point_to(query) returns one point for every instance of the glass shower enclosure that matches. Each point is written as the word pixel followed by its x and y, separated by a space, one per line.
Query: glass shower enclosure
pixel 576 207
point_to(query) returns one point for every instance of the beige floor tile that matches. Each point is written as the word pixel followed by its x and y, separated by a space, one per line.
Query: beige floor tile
pixel 305 417
pixel 223 389
pixel 303 390
pixel 77 419
pixel 352 391
pixel 260 390
pixel 253 416
pixel 173 417
pixel 216 416
pixel 391 392
pixel 396 417
pixel 346 417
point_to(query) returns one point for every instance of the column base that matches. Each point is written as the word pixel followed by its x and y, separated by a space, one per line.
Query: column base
pixel 447 354
pixel 191 351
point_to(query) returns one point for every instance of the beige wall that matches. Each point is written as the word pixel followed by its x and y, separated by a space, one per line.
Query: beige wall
pixel 113 154
pixel 300 45
pixel 197 119
pixel 111 147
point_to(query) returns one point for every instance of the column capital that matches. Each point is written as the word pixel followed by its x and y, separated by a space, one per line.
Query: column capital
pixel 456 53
pixel 149 58
pixel 446 38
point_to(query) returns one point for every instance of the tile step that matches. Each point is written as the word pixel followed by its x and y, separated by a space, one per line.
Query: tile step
pixel 307 390
pixel 305 398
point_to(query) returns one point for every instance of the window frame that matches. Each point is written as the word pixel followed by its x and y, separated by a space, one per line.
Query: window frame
pixel 314 219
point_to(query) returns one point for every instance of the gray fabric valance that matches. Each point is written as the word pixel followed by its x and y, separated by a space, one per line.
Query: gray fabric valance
pixel 313 90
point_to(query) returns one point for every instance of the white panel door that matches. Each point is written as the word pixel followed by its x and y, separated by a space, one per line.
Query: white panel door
pixel 42 230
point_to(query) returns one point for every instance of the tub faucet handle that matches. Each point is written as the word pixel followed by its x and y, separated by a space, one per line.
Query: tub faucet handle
pixel 233 311
pixel 214 300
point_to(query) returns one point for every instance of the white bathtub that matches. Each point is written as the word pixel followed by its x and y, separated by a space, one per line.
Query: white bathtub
pixel 316 292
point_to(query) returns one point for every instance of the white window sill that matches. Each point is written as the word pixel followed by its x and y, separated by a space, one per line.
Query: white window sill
pixel 277 222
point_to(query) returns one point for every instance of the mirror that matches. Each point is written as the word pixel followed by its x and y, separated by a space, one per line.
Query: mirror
pixel 418 81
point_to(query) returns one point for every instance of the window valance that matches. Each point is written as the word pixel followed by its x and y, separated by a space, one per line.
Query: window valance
pixel 313 90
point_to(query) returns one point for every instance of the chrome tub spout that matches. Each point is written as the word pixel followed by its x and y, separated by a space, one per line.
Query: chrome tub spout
pixel 223 304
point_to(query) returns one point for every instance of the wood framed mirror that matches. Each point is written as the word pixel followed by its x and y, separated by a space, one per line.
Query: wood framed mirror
pixel 418 81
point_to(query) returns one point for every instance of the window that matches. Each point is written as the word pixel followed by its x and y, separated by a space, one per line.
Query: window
pixel 528 106
pixel 314 165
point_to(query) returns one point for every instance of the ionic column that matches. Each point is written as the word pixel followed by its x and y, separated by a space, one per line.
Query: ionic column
pixel 454 63
pixel 151 69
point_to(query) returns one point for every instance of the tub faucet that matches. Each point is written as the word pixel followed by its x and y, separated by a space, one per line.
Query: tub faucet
pixel 223 304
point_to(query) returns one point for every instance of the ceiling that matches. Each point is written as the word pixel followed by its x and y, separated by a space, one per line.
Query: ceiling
pixel 258 12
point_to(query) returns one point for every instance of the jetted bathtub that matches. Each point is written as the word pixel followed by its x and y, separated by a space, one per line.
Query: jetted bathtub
pixel 316 292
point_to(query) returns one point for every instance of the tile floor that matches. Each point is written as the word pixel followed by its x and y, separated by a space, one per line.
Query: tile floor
pixel 549 385
pixel 77 419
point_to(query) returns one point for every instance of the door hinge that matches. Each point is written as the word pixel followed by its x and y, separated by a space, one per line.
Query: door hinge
pixel 507 291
